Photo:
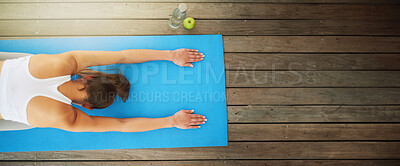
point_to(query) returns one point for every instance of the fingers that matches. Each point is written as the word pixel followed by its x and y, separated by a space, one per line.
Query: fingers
pixel 196 123
pixel 188 65
pixel 192 50
pixel 193 127
pixel 195 60
pixel 190 120
pixel 195 53
pixel 197 116
pixel 193 56
pixel 198 119
pixel 196 57
pixel 188 111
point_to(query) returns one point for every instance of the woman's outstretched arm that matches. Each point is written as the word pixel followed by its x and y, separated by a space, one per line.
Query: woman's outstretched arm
pixel 75 120
pixel 82 59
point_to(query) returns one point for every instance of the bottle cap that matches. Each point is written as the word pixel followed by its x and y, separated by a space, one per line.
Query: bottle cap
pixel 182 7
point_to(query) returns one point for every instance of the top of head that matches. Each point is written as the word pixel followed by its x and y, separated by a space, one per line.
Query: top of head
pixel 102 88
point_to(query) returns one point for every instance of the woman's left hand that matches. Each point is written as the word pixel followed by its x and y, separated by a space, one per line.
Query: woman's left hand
pixel 184 57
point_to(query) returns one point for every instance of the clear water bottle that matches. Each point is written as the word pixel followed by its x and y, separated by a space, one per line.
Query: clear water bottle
pixel 178 15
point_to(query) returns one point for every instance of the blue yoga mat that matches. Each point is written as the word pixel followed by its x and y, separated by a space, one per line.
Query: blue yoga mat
pixel 158 89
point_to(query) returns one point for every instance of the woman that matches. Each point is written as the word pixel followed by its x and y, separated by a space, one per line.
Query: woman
pixel 37 90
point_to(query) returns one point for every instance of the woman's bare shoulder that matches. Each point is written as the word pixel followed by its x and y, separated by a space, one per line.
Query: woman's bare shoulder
pixel 46 112
pixel 44 66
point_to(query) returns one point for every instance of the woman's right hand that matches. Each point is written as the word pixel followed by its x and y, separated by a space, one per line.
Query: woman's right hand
pixel 185 119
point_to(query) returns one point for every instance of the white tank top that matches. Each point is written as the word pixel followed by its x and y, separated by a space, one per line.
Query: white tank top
pixel 18 87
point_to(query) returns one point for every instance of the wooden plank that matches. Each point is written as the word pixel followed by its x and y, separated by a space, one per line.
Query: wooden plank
pixel 233 1
pixel 235 150
pixel 298 44
pixel 236 27
pixel 331 114
pixel 273 61
pixel 354 44
pixel 312 78
pixel 169 1
pixel 214 163
pixel 306 96
pixel 197 10
pixel 313 62
pixel 316 132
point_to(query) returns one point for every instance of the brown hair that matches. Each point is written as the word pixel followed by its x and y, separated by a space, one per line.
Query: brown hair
pixel 103 88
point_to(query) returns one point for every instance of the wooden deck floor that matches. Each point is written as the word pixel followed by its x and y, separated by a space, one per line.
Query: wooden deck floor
pixel 309 82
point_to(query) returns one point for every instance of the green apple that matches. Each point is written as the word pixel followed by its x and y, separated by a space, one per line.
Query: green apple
pixel 189 23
